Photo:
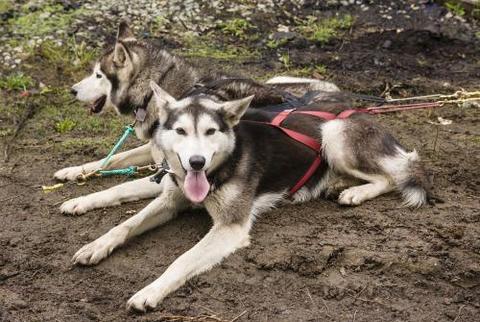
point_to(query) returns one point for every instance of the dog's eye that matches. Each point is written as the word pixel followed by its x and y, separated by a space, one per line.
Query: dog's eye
pixel 210 132
pixel 180 131
pixel 99 75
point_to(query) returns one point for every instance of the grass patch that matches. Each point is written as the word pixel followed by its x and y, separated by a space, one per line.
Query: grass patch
pixel 6 132
pixel 5 5
pixel 47 20
pixel 455 8
pixel 18 81
pixel 74 144
pixel 285 60
pixel 206 47
pixel 323 31
pixel 237 27
pixel 71 58
pixel 274 44
pixel 65 125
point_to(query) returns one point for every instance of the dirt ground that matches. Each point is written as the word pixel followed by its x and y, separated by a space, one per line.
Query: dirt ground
pixel 312 262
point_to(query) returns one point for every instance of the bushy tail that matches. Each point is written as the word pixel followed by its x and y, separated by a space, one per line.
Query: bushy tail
pixel 415 186
pixel 411 178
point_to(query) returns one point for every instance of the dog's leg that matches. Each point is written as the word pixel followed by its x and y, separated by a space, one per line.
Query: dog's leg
pixel 138 156
pixel 156 213
pixel 356 195
pixel 129 191
pixel 220 242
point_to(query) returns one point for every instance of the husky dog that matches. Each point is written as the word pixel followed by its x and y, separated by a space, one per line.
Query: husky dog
pixel 120 79
pixel 222 159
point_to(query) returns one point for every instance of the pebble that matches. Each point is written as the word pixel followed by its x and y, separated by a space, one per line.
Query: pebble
pixel 18 304
pixel 14 241
pixel 387 44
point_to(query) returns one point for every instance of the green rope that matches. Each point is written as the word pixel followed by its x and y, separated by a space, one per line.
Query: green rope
pixel 128 130
pixel 130 171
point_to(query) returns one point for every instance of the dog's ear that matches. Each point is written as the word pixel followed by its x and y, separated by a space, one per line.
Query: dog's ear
pixel 234 110
pixel 121 56
pixel 124 32
pixel 163 100
pixel 161 94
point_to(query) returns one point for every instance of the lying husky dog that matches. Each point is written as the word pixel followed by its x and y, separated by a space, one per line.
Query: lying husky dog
pixel 223 159
pixel 120 79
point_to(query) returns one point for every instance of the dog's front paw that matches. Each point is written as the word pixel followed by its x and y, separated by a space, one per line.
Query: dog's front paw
pixel 76 206
pixel 68 174
pixel 353 196
pixel 93 253
pixel 146 299
pixel 99 249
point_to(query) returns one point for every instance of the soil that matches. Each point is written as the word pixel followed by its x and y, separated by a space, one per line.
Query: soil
pixel 311 262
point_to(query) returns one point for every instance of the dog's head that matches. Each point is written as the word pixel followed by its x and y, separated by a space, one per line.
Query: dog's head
pixel 196 135
pixel 114 74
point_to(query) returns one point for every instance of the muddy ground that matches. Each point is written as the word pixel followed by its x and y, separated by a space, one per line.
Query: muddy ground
pixel 311 262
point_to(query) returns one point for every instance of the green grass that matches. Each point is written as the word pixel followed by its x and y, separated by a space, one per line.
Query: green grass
pixel 72 58
pixel 455 8
pixel 308 71
pixel 47 20
pixel 72 145
pixel 65 125
pixel 207 47
pixel 5 5
pixel 237 27
pixel 18 81
pixel 324 30
pixel 274 44
pixel 285 60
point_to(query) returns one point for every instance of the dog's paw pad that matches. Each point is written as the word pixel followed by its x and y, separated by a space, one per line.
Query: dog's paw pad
pixel 68 174
pixel 351 197
pixel 75 206
pixel 142 301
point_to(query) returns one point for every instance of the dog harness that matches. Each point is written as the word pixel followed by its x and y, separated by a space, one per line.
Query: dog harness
pixel 306 140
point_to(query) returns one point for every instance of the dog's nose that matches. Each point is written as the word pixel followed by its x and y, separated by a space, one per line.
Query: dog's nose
pixel 197 162
pixel 74 92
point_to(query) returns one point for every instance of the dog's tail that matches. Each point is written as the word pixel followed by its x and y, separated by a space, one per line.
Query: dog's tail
pixel 411 178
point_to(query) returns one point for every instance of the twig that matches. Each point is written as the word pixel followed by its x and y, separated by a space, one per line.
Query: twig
pixel 327 310
pixel 21 124
pixel 354 316
pixel 436 139
pixel 458 313
pixel 238 316
pixel 198 318
pixel 310 296
pixel 363 289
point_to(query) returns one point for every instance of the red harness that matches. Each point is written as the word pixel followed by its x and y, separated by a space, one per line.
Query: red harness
pixel 306 140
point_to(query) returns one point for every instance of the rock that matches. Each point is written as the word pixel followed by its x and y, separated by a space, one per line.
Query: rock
pixel 18 304
pixel 14 241
pixel 387 44
pixel 282 36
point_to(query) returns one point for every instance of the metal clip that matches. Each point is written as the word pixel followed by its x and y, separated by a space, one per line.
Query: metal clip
pixel 163 170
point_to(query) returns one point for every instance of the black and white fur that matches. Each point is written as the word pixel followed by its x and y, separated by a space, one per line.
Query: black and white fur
pixel 250 167
pixel 120 80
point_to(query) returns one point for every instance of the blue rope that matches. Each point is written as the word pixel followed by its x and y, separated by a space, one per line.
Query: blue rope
pixel 130 171
pixel 128 130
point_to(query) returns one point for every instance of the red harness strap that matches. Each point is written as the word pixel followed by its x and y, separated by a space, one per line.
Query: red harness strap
pixel 310 142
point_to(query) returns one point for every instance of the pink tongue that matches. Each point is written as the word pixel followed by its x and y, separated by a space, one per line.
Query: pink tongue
pixel 196 186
